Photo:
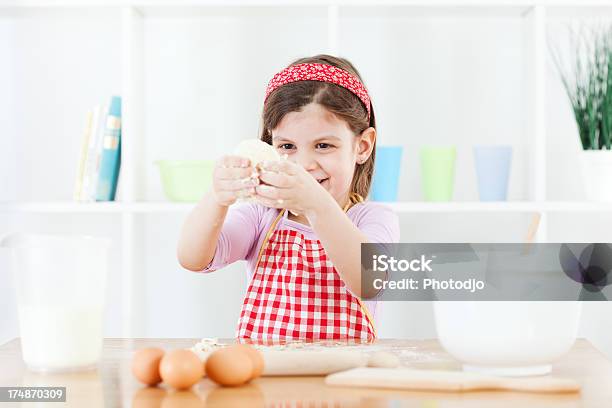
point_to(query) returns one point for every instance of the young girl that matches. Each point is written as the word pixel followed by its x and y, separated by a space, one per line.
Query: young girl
pixel 302 236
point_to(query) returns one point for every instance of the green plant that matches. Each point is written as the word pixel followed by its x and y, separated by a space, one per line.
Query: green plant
pixel 588 83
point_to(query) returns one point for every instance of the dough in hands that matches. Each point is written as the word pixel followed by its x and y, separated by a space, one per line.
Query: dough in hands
pixel 256 151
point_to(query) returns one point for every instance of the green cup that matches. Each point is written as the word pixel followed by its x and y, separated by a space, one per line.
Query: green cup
pixel 438 172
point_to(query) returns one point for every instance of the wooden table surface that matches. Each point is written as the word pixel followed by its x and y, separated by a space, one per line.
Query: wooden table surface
pixel 112 384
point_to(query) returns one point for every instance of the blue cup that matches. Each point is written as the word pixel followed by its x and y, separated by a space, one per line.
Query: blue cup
pixel 386 173
pixel 493 171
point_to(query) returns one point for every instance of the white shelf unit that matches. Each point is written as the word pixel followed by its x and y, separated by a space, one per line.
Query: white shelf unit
pixel 133 16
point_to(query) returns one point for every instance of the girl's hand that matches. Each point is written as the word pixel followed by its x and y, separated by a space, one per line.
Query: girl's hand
pixel 232 180
pixel 285 184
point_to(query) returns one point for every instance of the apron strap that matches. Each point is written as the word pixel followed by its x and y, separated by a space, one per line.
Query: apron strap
pixel 354 198
pixel 368 316
pixel 268 234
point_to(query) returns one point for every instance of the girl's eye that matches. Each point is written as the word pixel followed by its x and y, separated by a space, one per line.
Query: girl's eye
pixel 323 145
pixel 285 146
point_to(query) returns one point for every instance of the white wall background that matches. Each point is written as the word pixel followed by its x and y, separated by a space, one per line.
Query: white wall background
pixel 457 79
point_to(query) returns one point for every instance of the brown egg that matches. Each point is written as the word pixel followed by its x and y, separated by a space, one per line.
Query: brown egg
pixel 181 369
pixel 229 366
pixel 145 365
pixel 256 359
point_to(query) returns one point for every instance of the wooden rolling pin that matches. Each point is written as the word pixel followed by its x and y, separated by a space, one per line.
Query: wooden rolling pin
pixel 322 362
pixel 306 362
pixel 437 380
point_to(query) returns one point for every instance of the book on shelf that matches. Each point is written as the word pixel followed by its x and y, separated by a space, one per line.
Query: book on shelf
pixel 78 185
pixel 100 161
pixel 110 157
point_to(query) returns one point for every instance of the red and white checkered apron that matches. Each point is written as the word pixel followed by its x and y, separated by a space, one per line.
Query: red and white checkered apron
pixel 296 293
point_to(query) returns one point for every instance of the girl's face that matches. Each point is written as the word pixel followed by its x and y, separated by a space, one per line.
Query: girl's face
pixel 324 145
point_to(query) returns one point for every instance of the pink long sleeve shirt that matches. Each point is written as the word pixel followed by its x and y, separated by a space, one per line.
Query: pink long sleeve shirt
pixel 246 224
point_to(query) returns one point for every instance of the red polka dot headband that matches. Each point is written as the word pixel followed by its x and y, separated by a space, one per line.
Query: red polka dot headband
pixel 323 73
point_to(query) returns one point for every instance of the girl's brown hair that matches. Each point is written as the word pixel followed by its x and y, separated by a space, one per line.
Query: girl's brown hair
pixel 340 101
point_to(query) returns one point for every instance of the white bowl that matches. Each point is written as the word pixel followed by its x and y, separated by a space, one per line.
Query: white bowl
pixel 507 338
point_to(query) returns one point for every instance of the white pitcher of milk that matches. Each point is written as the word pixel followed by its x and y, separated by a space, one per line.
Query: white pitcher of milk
pixel 61 284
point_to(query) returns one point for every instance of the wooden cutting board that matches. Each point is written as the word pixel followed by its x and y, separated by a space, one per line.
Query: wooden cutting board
pixel 437 380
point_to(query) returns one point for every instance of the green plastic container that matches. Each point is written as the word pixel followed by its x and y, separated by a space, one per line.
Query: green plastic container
pixel 185 180
pixel 438 172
